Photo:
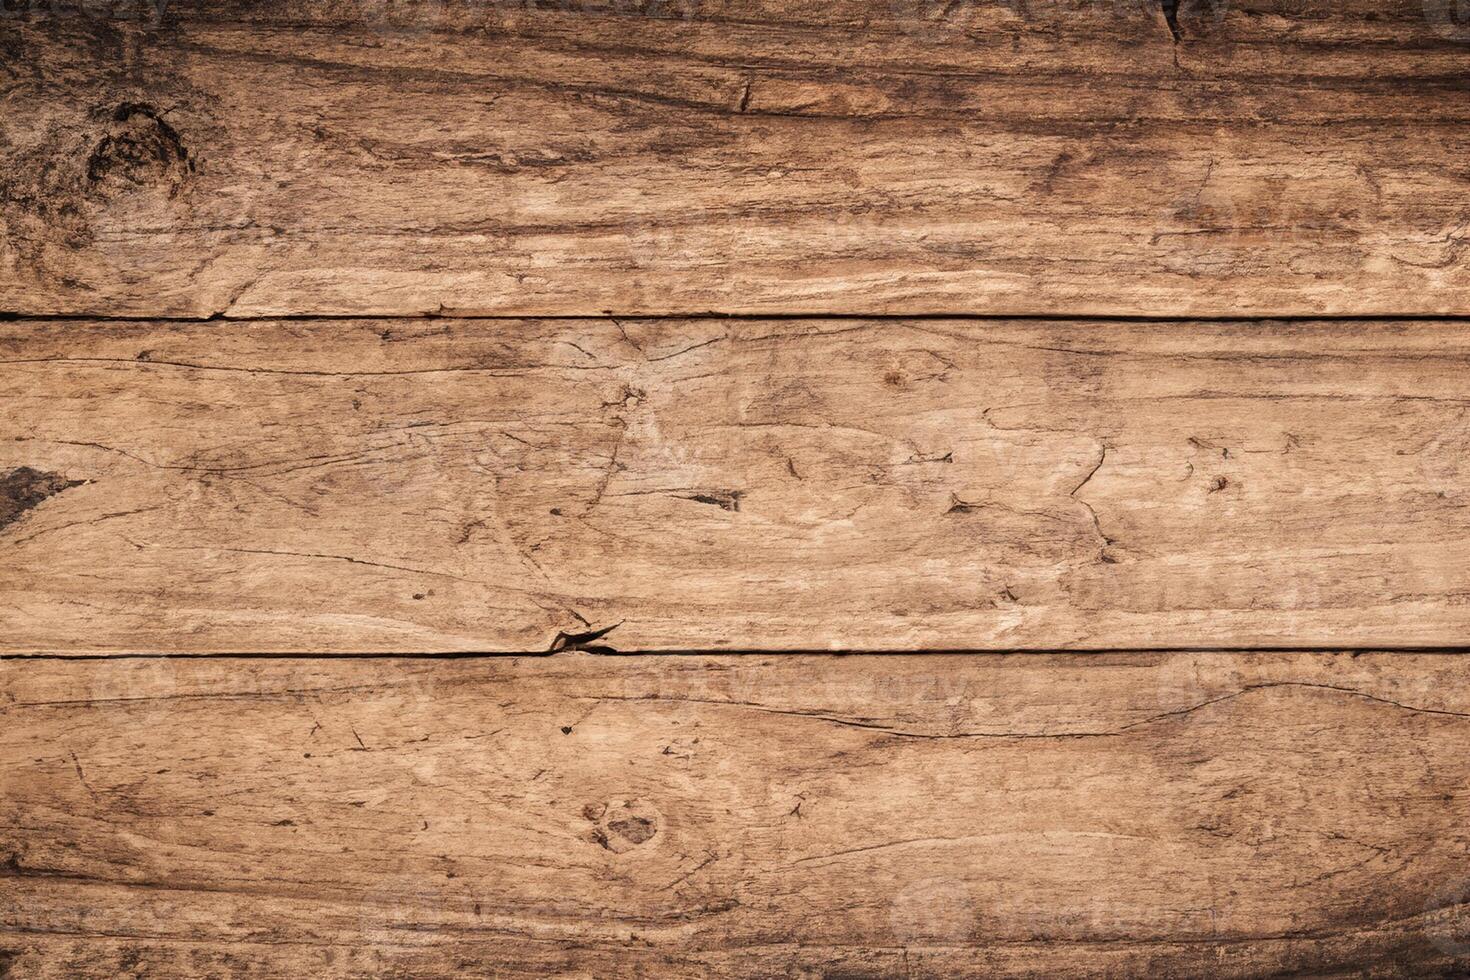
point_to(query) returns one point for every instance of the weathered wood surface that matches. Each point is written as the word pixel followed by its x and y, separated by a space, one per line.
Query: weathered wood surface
pixel 1281 157
pixel 450 485
pixel 961 816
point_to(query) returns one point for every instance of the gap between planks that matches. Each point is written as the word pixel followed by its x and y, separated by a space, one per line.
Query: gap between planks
pixel 15 316
pixel 1152 651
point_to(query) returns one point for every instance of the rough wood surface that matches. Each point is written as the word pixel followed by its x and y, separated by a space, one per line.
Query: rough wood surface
pixel 448 485
pixel 579 816
pixel 1072 157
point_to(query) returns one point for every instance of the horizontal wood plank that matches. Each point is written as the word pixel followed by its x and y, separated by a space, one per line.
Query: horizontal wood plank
pixel 1048 815
pixel 752 156
pixel 326 486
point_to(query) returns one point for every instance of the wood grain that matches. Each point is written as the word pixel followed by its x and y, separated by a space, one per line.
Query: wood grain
pixel 1056 156
pixel 1058 816
pixel 326 486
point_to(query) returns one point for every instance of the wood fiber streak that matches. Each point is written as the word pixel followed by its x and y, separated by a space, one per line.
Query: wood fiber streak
pixel 441 485
pixel 755 156
pixel 933 816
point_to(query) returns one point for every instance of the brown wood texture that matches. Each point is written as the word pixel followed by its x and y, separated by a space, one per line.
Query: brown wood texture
pixel 535 435
pixel 421 486
pixel 756 156
pixel 579 816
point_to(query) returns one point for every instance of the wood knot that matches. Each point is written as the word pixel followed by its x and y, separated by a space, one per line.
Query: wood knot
pixel 139 149
pixel 909 369
pixel 622 825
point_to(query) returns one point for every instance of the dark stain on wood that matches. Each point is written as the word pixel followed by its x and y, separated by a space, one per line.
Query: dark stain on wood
pixel 24 488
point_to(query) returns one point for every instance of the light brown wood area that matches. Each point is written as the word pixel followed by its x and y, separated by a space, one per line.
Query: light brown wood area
pixel 788 484
pixel 1263 157
pixel 960 816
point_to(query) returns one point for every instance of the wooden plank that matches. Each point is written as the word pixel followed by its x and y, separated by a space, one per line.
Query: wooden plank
pixel 447 485
pixel 756 156
pixel 327 486
pixel 1062 816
